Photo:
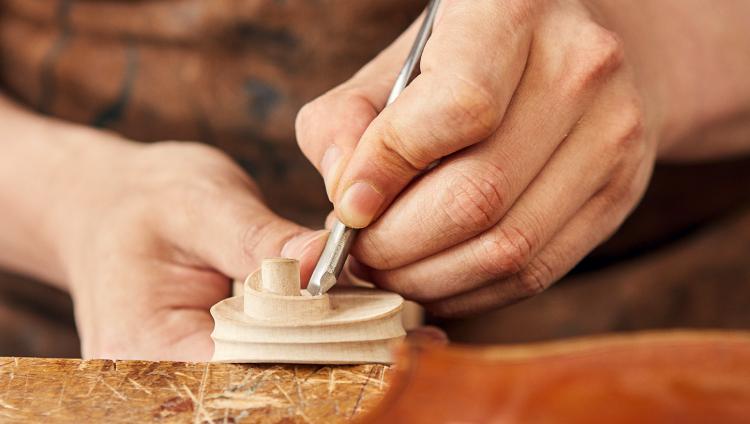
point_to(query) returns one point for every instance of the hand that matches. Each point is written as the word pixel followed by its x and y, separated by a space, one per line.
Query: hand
pixel 150 238
pixel 547 141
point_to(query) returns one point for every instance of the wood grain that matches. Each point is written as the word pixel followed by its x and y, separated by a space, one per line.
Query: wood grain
pixel 678 376
pixel 273 322
pixel 83 391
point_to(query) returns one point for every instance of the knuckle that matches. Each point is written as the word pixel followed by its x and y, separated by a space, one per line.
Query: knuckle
pixel 319 121
pixel 400 154
pixel 473 202
pixel 518 247
pixel 203 150
pixel 372 251
pixel 188 152
pixel 305 113
pixel 601 54
pixel 621 194
pixel 196 151
pixel 624 145
pixel 505 251
pixel 405 286
pixel 187 194
pixel 520 13
pixel 255 236
pixel 535 278
pixel 194 192
pixel 472 109
pixel 306 117
pixel 631 127
pixel 610 199
pixel 197 161
pixel 452 307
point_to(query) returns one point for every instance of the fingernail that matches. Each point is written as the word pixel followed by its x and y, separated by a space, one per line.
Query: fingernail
pixel 329 167
pixel 359 204
pixel 296 246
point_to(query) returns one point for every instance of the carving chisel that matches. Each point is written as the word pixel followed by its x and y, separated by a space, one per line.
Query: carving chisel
pixel 340 240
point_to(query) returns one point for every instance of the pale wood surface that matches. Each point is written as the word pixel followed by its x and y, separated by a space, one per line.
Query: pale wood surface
pixel 78 391
pixel 280 276
pixel 344 326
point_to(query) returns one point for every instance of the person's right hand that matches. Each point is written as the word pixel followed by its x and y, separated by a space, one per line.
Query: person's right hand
pixel 150 236
pixel 546 135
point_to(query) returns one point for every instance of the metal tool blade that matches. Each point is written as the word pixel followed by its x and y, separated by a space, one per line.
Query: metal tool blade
pixel 332 259
pixel 340 240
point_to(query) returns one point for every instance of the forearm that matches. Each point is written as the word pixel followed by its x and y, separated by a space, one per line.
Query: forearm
pixel 39 157
pixel 693 56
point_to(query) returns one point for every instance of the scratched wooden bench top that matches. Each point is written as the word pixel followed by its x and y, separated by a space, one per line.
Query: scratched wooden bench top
pixel 78 391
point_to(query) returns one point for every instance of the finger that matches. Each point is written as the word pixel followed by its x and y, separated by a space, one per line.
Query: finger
pixel 169 303
pixel 455 102
pixel 330 220
pixel 329 127
pixel 187 337
pixel 179 335
pixel 578 170
pixel 427 334
pixel 598 219
pixel 471 191
pixel 193 344
pixel 232 232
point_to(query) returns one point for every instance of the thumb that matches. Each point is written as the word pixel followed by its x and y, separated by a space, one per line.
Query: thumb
pixel 306 247
pixel 329 128
pixel 458 100
pixel 236 233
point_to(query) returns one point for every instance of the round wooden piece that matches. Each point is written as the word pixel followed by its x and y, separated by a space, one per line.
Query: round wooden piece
pixel 280 276
pixel 261 305
pixel 344 326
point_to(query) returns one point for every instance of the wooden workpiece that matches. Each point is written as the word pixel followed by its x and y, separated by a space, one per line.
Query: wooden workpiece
pixel 277 322
pixel 651 377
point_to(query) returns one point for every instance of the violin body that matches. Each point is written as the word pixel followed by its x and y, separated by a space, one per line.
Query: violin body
pixel 679 377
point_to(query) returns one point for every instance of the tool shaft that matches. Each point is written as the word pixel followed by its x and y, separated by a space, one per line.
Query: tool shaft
pixel 332 259
pixel 336 250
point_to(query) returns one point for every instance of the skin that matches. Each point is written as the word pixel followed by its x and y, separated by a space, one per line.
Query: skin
pixel 547 117
pixel 145 237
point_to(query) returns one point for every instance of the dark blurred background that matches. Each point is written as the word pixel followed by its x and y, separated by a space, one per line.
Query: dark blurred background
pixel 233 74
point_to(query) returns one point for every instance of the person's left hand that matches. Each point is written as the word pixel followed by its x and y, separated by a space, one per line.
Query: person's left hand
pixel 546 139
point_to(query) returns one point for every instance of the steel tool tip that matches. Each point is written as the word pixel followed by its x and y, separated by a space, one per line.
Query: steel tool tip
pixel 321 283
pixel 332 259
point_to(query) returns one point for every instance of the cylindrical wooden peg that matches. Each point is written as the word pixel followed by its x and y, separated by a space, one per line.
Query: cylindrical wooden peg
pixel 280 276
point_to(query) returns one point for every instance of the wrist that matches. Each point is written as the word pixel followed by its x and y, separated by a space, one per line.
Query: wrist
pixel 691 85
pixel 82 183
pixel 37 154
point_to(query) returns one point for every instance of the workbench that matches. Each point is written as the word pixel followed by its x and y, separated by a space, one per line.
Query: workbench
pixel 83 391
pixel 650 377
